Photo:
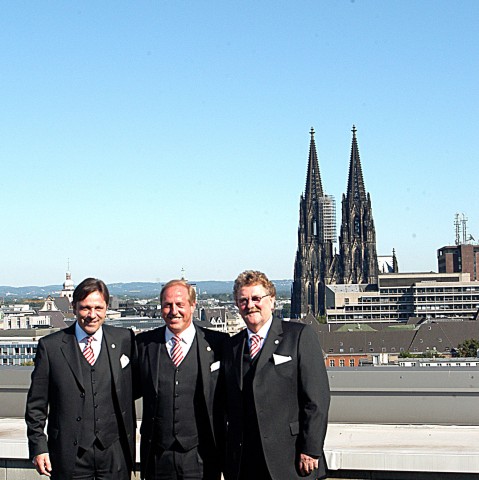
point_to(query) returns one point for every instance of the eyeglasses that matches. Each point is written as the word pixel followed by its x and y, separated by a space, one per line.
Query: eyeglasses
pixel 256 299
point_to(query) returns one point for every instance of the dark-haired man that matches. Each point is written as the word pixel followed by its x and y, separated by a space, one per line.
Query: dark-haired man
pixel 82 382
pixel 277 391
pixel 182 405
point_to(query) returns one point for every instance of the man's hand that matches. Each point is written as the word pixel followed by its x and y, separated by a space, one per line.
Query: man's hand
pixel 307 464
pixel 42 464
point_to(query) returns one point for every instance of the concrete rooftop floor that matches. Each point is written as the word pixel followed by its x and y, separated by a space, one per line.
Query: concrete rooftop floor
pixel 408 448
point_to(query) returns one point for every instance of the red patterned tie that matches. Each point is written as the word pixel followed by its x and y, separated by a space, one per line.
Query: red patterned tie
pixel 177 351
pixel 255 346
pixel 88 351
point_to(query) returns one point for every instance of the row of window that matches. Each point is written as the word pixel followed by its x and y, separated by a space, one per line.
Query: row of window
pixel 342 363
pixel 17 350
pixel 448 298
pixel 20 360
pixel 385 350
pixel 371 349
pixel 402 291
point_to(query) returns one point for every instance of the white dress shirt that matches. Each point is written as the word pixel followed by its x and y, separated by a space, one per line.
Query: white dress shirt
pixel 82 339
pixel 262 332
pixel 187 336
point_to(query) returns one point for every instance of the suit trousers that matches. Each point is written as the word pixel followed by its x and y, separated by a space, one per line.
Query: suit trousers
pixel 97 463
pixel 175 465
pixel 253 464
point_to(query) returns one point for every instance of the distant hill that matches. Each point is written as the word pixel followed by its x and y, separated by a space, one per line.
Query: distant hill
pixel 133 289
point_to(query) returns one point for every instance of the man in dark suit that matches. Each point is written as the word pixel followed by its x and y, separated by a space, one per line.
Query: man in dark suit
pixel 182 398
pixel 82 381
pixel 277 391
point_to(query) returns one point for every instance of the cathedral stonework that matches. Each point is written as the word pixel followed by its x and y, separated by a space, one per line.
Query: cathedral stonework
pixel 316 265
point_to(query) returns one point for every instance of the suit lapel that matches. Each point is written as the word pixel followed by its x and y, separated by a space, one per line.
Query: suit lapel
pixel 275 335
pixel 71 352
pixel 154 354
pixel 204 356
pixel 238 349
pixel 113 351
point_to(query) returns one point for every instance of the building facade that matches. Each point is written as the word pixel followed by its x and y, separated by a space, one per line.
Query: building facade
pixel 463 258
pixel 399 296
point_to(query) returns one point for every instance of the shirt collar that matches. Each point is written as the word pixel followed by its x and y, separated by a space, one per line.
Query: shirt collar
pixel 263 331
pixel 81 334
pixel 186 335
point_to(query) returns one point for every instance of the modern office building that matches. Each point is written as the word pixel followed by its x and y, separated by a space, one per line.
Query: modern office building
pixel 463 258
pixel 19 346
pixel 400 296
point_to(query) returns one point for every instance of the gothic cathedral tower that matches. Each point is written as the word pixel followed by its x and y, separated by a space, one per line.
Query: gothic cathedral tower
pixel 315 265
pixel 357 240
pixel 316 234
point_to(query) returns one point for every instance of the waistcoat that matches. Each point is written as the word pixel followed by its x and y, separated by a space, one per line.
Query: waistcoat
pixel 178 403
pixel 99 421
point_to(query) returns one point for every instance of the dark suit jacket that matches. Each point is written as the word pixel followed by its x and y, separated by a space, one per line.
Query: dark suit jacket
pixel 58 390
pixel 291 399
pixel 210 348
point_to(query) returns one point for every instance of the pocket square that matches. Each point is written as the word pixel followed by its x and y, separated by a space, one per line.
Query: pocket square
pixel 214 366
pixel 124 361
pixel 279 359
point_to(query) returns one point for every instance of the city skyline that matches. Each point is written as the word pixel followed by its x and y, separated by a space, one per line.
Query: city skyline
pixel 140 140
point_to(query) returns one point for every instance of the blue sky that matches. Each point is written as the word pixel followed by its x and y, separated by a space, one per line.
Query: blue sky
pixel 140 138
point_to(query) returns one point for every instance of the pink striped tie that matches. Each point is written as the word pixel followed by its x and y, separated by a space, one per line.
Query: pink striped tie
pixel 88 351
pixel 255 346
pixel 177 351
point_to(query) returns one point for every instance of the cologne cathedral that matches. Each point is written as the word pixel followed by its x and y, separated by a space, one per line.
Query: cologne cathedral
pixel 316 264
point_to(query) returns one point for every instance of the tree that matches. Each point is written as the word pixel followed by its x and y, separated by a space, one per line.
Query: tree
pixel 321 319
pixel 287 310
pixel 468 348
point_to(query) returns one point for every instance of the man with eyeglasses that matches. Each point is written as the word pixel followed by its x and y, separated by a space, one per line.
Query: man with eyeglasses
pixel 277 391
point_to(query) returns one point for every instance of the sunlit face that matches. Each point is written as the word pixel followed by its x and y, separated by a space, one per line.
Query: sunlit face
pixel 255 306
pixel 91 312
pixel 176 309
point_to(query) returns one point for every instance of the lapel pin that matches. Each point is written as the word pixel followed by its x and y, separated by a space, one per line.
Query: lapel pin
pixel 113 345
pixel 276 342
pixel 208 348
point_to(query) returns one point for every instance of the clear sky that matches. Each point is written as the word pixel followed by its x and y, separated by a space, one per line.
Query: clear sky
pixel 138 138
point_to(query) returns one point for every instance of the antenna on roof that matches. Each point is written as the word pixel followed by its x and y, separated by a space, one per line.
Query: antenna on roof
pixel 464 228
pixel 460 224
pixel 457 225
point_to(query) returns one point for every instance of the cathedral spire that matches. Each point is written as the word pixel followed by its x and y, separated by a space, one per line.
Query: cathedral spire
pixel 316 234
pixel 355 190
pixel 314 187
pixel 357 241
